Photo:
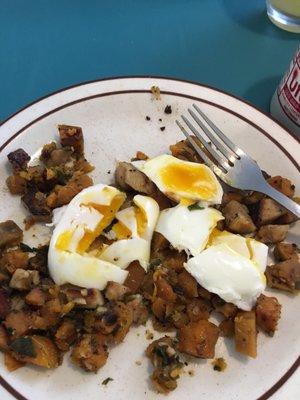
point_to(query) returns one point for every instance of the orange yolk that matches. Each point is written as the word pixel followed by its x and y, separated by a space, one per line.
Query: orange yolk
pixel 141 220
pixel 121 231
pixel 194 180
pixel 108 212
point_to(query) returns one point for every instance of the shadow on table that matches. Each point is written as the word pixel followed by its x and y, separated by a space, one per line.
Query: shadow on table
pixel 266 86
pixel 253 16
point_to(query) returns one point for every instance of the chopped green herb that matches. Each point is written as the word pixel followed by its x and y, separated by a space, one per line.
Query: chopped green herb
pixel 161 351
pixel 27 249
pixel 23 346
pixel 62 177
pixel 195 206
pixel 107 380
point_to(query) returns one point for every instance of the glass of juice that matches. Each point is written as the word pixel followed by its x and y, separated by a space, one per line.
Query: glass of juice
pixel 285 14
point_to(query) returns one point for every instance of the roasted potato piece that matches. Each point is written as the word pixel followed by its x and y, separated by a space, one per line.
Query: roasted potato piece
pixel 198 309
pixel 198 339
pixel 35 202
pixel 71 136
pixel 285 251
pixel 90 352
pixel 10 234
pixel 18 159
pixel 227 327
pixel 245 333
pixel 139 310
pixel 66 335
pixel 272 233
pixel 115 291
pixel 18 322
pixel 128 177
pixel 284 275
pixel 13 260
pixel 227 197
pixel 37 350
pixel 64 194
pixel 229 310
pixel 185 151
pixel 36 297
pixel 237 218
pixel 188 284
pixel 284 185
pixel 135 276
pixel 165 290
pixel 268 311
pixel 16 184
pixel 253 198
pixel 175 260
pixel 269 211
pixel 24 279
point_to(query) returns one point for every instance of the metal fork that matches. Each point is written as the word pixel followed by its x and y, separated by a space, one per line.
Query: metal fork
pixel 230 163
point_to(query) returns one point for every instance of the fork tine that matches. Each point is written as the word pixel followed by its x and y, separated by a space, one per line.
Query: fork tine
pixel 222 163
pixel 228 154
pixel 237 152
pixel 198 149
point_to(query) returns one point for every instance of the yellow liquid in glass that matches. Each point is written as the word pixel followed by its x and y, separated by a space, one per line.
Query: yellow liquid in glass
pixel 288 8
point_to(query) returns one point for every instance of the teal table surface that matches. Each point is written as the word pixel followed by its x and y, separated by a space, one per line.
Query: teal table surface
pixel 49 44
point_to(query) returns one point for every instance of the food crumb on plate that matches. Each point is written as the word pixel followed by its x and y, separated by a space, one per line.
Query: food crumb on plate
pixel 147 118
pixel 191 372
pixel 138 362
pixel 168 109
pixel 107 380
pixel 162 128
pixel 156 92
pixel 219 364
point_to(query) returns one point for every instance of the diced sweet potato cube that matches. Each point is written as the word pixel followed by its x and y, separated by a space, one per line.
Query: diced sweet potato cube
pixel 4 304
pixel 11 363
pixel 18 159
pixel 165 290
pixel 16 184
pixel 198 339
pixel 90 353
pixel 268 312
pixel 188 284
pixel 175 260
pixel 13 260
pixel 227 327
pixel 221 306
pixel 24 279
pixel 115 291
pixel 36 297
pixel 19 322
pixel 71 136
pixel 65 194
pixel 245 333
pixel 66 335
pixel 198 309
pixel 37 350
pixel 135 276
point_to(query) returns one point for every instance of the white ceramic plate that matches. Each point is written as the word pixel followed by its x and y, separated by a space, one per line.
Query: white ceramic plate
pixel 112 114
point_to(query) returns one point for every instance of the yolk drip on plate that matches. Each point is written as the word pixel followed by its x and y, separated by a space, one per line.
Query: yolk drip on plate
pixel 192 179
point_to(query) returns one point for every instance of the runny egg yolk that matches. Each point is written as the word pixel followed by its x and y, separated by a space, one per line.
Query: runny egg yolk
pixel 108 212
pixel 123 232
pixel 194 180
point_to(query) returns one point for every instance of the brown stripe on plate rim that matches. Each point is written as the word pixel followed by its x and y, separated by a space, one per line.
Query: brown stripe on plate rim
pixel 296 364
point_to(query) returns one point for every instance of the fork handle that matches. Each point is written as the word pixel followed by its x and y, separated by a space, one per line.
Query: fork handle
pixel 285 201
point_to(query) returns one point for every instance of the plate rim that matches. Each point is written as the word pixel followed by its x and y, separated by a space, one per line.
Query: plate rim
pixel 296 364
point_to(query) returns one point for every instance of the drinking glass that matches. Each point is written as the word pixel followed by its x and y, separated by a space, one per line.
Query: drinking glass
pixel 285 14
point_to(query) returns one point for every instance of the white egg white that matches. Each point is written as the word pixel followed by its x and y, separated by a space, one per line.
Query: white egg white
pixel 155 167
pixel 137 247
pixel 233 277
pixel 72 222
pixel 188 229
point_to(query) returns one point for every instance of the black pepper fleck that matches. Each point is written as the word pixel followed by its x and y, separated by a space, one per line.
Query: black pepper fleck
pixel 168 110
pixel 147 118
pixel 162 128
pixel 160 120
